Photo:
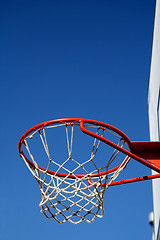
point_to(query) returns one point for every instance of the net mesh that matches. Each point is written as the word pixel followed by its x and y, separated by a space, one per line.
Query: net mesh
pixel 72 190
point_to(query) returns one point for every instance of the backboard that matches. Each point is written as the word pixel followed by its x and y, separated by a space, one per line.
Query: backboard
pixel 154 113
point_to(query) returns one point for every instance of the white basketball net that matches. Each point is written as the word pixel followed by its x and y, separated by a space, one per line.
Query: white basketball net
pixel 75 198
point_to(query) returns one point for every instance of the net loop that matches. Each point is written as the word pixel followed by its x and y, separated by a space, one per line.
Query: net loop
pixel 72 190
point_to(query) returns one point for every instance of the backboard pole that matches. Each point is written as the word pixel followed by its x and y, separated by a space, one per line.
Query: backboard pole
pixel 154 113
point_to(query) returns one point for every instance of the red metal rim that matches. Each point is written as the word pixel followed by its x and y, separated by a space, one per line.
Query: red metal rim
pixel 81 121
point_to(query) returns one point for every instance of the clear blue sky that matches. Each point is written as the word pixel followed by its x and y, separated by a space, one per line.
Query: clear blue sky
pixel 86 59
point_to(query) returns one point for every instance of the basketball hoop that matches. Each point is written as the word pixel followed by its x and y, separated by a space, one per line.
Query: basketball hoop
pixel 73 180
